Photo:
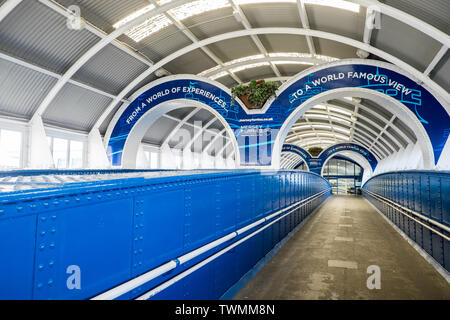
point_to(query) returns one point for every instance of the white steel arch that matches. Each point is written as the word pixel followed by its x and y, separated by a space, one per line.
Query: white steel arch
pixel 395 107
pixel 96 48
pixel 132 144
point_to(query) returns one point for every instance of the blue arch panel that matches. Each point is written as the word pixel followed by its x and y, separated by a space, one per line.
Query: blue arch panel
pixel 256 133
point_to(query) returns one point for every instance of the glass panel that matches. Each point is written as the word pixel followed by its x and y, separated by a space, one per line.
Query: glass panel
pixel 325 170
pixel 11 146
pixel 341 167
pixel 60 153
pixel 76 154
pixel 358 170
pixel 350 168
pixel 333 183
pixel 333 169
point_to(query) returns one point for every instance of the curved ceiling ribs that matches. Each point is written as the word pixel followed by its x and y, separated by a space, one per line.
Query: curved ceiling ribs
pixel 346 120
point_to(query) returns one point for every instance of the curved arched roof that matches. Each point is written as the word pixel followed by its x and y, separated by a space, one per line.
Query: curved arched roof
pixel 76 79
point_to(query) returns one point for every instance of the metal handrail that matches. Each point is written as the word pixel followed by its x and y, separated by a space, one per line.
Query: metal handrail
pixel 154 273
pixel 400 207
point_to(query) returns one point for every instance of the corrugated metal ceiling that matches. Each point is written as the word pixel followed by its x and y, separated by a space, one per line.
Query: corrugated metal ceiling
pixel 39 35
pixel 22 89
pixel 110 70
pixel 76 108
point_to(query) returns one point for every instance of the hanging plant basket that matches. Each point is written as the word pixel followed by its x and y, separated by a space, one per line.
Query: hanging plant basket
pixel 255 94
pixel 248 104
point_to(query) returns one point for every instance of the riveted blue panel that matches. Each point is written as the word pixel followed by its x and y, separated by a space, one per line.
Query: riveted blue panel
pixel 268 194
pixel 225 272
pixel 229 204
pixel 199 285
pixel 200 225
pixel 425 195
pixel 115 229
pixel 438 248
pixel 17 241
pixel 445 186
pixel 417 199
pixel 435 198
pixel 95 238
pixel 424 192
pixel 154 213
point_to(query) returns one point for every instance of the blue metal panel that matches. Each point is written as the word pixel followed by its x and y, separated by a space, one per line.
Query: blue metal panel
pixel 438 248
pixel 174 292
pixel 445 187
pixel 281 187
pixel 447 255
pixel 425 193
pixel 203 276
pixel 435 198
pixel 117 228
pixel 95 238
pixel 417 198
pixel 200 225
pixel 17 240
pixel 227 212
pixel 225 273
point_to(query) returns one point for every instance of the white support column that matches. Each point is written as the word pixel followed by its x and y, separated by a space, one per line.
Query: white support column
pixel 444 160
pixel 97 157
pixel 40 156
pixel 7 7
pixel 167 159
pixel 141 160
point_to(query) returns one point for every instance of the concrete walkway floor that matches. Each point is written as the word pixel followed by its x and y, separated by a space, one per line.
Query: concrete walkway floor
pixel 329 256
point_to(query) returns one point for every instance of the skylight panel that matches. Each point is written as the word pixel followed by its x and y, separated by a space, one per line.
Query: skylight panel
pixel 319 126
pixel 338 4
pixel 293 62
pixel 133 16
pixel 149 27
pixel 314 115
pixel 341 130
pixel 198 7
pixel 219 75
pixel 339 111
pixel 245 59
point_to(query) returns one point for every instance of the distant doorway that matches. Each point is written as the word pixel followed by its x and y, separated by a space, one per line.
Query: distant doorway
pixel 344 175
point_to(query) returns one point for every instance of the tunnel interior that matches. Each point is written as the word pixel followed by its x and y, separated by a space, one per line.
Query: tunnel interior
pixel 224 150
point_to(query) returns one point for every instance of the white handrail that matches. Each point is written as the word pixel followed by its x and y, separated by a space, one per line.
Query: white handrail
pixel 399 208
pixel 184 274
